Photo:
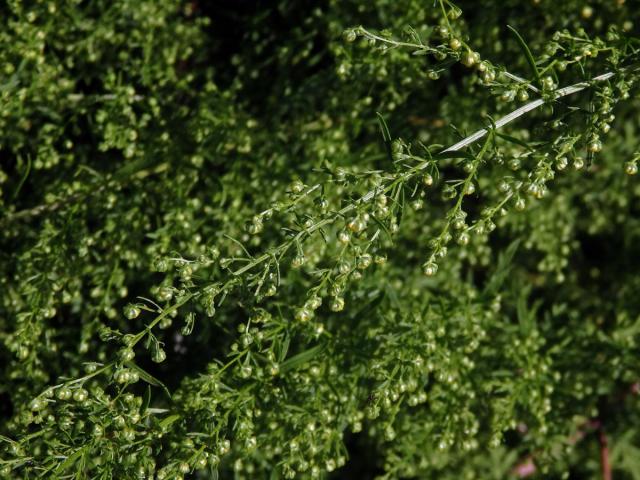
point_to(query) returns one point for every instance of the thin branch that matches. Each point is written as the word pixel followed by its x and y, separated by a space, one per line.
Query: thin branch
pixel 605 463
pixel 563 92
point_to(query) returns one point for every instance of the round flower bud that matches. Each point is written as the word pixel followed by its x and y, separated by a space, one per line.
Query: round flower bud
pixel 343 236
pixel 548 83
pixel 214 253
pixel 417 204
pixel 210 309
pixel 313 303
pixel 427 180
pixel 380 259
pixel 458 224
pixel 468 59
pixel 296 187
pixel 594 146
pixel 120 422
pixel 23 352
pixel 64 393
pixel 131 311
pixel 322 203
pixel 455 44
pixel 160 265
pixel 165 294
pixel 514 164
pixel 185 272
pixel 471 188
pixel 350 35
pixel 463 238
pixel 448 192
pixel 122 376
pixel 356 225
pixel 344 268
pixel 298 261
pixel 364 261
pixel 245 371
pixel 337 304
pixel 397 150
pixel 80 395
pixel 533 189
pixel 430 269
pixel 389 433
pixel 561 163
pixel 255 226
pixel 159 355
pixel 508 96
pixel 37 404
pixel 382 211
pixel 270 291
pixel 126 355
pixel 304 315
pixel 631 168
pixel 246 340
pixel 488 76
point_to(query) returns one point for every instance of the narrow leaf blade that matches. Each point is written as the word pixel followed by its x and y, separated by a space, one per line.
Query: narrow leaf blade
pixel 147 377
pixel 530 60
pixel 301 358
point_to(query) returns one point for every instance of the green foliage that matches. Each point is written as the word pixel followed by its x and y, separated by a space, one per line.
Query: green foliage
pixel 257 240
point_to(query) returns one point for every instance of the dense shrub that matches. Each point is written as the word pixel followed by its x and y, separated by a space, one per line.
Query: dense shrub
pixel 234 241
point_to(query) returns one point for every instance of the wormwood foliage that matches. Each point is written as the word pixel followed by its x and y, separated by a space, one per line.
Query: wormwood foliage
pixel 256 239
